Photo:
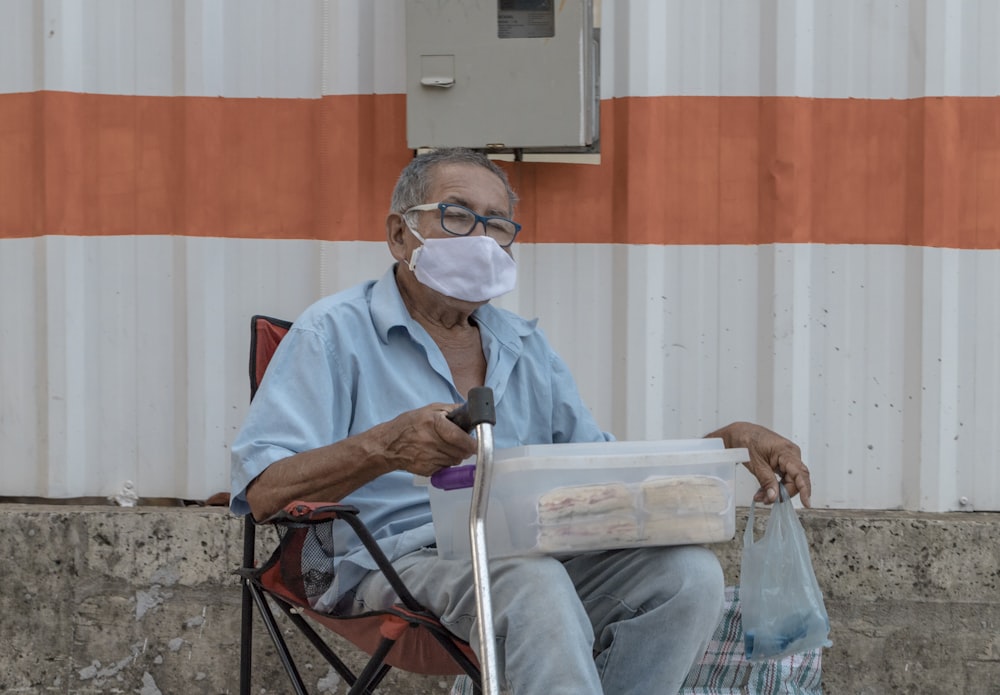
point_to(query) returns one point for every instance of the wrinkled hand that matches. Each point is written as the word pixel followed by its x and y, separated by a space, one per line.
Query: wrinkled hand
pixel 772 457
pixel 424 440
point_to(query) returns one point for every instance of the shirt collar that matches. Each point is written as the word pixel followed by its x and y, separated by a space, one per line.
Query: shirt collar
pixel 389 311
pixel 387 307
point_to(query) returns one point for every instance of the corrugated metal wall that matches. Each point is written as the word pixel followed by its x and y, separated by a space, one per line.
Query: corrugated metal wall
pixel 847 300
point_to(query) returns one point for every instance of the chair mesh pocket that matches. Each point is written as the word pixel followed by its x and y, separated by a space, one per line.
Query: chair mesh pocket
pixel 305 559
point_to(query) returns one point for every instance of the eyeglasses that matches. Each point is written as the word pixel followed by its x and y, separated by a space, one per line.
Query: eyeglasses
pixel 459 220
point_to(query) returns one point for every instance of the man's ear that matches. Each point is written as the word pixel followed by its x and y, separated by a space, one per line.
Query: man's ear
pixel 395 235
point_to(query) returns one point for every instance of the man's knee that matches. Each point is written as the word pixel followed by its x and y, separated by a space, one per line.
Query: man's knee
pixel 530 584
pixel 691 574
pixel 703 586
pixel 703 571
pixel 706 568
pixel 529 571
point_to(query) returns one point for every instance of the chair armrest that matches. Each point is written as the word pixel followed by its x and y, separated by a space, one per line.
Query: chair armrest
pixel 300 512
pixel 298 515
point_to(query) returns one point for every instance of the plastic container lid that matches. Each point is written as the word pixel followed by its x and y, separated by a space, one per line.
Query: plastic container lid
pixel 557 456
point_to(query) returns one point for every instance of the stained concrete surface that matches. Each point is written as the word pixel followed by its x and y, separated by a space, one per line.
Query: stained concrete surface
pixel 144 600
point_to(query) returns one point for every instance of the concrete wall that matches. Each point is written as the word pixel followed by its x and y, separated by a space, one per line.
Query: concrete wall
pixel 143 600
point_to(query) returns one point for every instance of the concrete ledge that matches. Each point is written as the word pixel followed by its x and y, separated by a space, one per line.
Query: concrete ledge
pixel 109 600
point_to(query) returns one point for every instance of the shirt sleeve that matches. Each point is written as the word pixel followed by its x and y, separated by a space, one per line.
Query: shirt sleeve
pixel 302 403
pixel 572 420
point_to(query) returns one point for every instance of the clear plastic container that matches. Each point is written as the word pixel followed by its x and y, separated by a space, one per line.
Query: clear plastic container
pixel 565 498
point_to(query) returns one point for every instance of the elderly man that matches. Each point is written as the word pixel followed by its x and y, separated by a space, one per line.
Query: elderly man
pixel 354 405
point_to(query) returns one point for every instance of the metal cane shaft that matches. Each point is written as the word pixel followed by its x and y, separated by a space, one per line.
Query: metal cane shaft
pixel 480 562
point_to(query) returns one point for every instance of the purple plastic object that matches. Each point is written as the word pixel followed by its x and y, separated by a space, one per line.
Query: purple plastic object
pixel 454 478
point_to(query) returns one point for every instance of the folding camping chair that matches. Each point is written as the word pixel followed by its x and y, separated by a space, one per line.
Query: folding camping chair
pixel 405 636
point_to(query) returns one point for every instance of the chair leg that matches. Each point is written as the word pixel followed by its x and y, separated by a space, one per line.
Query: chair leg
pixel 321 646
pixel 378 678
pixel 246 622
pixel 461 659
pixel 279 641
pixel 374 670
pixel 246 639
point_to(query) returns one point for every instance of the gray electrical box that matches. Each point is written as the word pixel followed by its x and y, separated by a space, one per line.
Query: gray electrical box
pixel 502 75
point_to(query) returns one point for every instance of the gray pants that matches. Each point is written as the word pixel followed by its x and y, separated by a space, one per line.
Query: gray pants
pixel 616 622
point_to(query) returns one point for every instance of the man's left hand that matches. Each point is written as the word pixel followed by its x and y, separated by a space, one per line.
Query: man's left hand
pixel 772 458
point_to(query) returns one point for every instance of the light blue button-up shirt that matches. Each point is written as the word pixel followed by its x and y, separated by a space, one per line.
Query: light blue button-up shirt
pixel 357 359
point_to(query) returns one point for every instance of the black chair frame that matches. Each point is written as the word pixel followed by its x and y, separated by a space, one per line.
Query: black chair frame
pixel 407 614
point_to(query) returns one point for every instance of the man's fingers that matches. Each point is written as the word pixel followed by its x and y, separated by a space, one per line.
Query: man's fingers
pixel 801 484
pixel 795 478
pixel 768 492
pixel 460 441
pixel 774 461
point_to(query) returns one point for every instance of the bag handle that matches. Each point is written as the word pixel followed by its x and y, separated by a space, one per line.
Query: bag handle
pixel 783 497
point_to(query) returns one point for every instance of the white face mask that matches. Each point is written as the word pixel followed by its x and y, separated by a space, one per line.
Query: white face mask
pixel 470 268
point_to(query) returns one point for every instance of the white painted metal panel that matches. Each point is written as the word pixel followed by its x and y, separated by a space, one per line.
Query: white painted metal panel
pixel 20 33
pixel 125 358
pixel 232 48
pixel 364 47
pixel 269 48
pixel 873 49
pixel 880 361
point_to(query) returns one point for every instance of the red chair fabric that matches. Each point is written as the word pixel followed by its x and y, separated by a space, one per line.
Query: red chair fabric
pixel 405 636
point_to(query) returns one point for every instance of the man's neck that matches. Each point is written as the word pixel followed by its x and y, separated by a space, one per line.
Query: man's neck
pixel 440 318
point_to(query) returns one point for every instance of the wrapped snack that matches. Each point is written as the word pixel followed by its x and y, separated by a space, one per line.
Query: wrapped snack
pixel 681 530
pixel 566 503
pixel 604 532
pixel 687 494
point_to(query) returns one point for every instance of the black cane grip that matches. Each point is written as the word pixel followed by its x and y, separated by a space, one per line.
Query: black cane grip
pixel 478 409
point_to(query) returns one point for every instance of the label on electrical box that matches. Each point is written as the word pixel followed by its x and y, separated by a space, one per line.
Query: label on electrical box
pixel 526 19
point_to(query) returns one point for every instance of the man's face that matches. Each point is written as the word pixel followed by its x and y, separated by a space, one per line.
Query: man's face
pixel 468 185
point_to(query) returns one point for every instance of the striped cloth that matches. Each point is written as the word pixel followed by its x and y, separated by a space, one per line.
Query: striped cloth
pixel 724 671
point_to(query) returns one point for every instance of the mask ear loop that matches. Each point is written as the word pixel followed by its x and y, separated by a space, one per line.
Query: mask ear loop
pixel 412 263
pixel 416 252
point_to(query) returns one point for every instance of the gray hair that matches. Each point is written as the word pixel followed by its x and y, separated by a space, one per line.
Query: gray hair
pixel 415 180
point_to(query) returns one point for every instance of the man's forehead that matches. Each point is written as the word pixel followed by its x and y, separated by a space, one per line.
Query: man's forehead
pixel 465 180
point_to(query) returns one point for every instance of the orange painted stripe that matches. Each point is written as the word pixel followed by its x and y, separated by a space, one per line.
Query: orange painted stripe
pixel 674 170
pixel 260 168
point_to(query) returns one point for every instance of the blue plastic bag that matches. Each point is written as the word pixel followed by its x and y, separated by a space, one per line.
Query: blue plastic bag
pixel 783 610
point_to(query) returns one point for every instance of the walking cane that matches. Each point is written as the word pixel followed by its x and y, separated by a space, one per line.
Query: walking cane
pixel 478 413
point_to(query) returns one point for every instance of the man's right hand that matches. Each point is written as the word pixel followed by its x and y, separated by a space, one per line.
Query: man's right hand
pixel 423 441
pixel 420 441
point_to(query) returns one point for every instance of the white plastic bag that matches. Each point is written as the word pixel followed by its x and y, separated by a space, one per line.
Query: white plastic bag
pixel 783 610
